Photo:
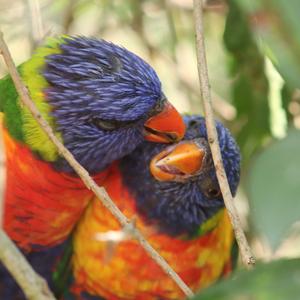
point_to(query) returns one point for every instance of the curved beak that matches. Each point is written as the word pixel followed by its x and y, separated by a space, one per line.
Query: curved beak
pixel 165 127
pixel 178 162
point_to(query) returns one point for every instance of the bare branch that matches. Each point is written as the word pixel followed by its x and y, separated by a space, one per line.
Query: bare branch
pixel 68 17
pixel 172 28
pixel 246 253
pixel 100 192
pixel 36 28
pixel 33 286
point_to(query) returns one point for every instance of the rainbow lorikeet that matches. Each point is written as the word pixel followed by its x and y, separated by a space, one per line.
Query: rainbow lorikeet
pixel 177 204
pixel 101 101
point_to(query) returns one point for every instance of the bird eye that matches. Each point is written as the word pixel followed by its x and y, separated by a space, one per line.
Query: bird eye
pixel 110 125
pixel 158 107
pixel 212 193
pixel 193 123
pixel 104 124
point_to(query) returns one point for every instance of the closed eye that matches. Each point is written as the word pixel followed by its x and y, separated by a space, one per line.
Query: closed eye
pixel 110 125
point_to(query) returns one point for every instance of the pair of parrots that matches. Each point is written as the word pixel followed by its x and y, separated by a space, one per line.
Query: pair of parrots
pixel 103 102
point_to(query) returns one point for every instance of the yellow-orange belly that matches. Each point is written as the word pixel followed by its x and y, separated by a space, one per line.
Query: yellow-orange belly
pixel 125 271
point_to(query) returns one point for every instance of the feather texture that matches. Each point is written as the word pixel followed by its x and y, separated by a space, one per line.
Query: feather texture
pixel 129 273
pixel 78 84
pixel 41 205
pixel 189 229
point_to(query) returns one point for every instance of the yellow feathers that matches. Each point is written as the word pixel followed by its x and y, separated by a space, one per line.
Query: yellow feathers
pixel 31 72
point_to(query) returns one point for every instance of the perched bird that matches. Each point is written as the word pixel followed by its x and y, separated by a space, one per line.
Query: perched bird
pixel 173 196
pixel 102 101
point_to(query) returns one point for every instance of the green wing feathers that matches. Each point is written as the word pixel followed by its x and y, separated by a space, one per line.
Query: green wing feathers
pixel 17 118
pixel 10 106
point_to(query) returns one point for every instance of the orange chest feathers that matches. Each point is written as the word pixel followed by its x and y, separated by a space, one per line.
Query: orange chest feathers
pixel 123 270
pixel 41 205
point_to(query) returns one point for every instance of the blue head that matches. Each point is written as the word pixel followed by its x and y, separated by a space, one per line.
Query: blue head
pixel 105 100
pixel 188 195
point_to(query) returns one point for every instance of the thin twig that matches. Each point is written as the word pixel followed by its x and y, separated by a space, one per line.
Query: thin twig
pixel 246 253
pixel 68 17
pixel 33 285
pixel 100 192
pixel 36 28
pixel 172 28
pixel 138 26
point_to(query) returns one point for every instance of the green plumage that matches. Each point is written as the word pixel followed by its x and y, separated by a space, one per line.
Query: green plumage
pixel 62 275
pixel 17 118
pixel 10 106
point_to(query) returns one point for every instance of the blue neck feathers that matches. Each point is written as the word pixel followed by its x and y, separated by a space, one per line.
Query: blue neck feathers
pixel 179 207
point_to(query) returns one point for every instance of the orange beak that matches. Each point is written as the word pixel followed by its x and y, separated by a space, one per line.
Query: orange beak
pixel 165 127
pixel 178 162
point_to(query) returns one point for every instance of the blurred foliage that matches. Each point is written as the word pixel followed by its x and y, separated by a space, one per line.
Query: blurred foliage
pixel 262 38
pixel 253 51
pixel 276 208
pixel 250 87
pixel 277 24
pixel 275 281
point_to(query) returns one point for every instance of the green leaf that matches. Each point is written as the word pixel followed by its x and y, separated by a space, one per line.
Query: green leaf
pixel 250 85
pixel 278 280
pixel 277 25
pixel 286 96
pixel 274 188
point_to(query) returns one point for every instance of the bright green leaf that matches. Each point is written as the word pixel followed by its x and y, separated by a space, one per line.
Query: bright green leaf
pixel 274 188
pixel 279 280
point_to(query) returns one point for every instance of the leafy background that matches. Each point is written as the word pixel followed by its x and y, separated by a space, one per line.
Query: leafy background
pixel 253 50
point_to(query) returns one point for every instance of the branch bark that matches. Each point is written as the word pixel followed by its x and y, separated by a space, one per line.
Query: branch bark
pixel 36 28
pixel 245 250
pixel 100 192
pixel 33 285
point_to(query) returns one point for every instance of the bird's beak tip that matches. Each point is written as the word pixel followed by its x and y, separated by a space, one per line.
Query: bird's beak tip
pixel 178 162
pixel 165 127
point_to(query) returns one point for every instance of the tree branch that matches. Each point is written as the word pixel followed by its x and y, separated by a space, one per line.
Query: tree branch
pixel 246 254
pixel 68 17
pixel 36 28
pixel 33 285
pixel 100 192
